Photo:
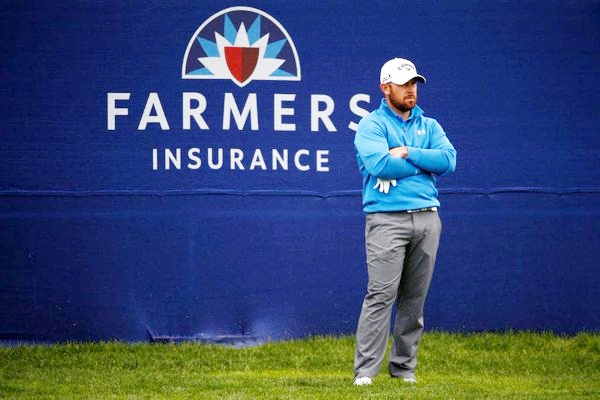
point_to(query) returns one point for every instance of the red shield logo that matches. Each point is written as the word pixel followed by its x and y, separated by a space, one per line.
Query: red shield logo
pixel 241 61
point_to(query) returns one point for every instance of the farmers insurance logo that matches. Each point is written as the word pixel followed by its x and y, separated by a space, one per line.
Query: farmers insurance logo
pixel 241 44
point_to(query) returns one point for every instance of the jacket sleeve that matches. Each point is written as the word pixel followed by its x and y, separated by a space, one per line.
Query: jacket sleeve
pixel 440 158
pixel 372 147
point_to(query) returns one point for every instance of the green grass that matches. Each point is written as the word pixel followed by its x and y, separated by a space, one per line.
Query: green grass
pixel 510 365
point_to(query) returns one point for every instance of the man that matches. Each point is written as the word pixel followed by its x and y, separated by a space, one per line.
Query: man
pixel 400 153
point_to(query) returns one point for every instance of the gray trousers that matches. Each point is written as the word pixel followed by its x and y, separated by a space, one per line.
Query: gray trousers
pixel 401 250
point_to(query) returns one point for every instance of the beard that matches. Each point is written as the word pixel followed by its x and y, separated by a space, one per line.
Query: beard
pixel 405 104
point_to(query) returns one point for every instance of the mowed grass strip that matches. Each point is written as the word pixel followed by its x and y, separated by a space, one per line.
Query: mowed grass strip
pixel 511 365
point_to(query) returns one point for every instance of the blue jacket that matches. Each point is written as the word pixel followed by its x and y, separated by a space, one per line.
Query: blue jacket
pixel 430 154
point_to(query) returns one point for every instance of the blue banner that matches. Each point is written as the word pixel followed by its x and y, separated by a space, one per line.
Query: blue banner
pixel 187 170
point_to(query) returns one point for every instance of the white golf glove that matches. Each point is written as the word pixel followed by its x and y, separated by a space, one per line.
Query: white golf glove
pixel 384 185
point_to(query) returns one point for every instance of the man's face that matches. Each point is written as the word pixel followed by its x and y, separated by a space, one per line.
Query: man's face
pixel 402 97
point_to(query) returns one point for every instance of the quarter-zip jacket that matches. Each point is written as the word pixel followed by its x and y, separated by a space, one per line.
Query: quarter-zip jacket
pixel 430 154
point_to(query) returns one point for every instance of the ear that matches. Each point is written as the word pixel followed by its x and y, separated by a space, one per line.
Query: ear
pixel 385 88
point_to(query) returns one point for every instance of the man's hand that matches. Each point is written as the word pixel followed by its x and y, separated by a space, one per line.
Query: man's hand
pixel 384 185
pixel 401 152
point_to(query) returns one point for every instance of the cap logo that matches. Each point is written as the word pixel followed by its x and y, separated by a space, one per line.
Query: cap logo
pixel 408 67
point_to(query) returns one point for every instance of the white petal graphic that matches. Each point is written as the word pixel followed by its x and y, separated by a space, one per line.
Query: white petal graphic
pixel 266 67
pixel 241 40
pixel 262 44
pixel 217 66
pixel 242 64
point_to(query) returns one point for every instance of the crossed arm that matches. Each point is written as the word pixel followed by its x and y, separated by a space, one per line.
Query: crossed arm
pixel 399 162
pixel 400 152
pixel 437 161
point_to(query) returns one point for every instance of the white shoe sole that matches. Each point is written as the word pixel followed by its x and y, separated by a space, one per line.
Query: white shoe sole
pixel 363 381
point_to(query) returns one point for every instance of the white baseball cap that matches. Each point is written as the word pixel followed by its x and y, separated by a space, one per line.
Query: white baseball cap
pixel 399 71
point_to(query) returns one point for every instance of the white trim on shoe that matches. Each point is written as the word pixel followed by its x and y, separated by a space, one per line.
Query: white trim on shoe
pixel 363 381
